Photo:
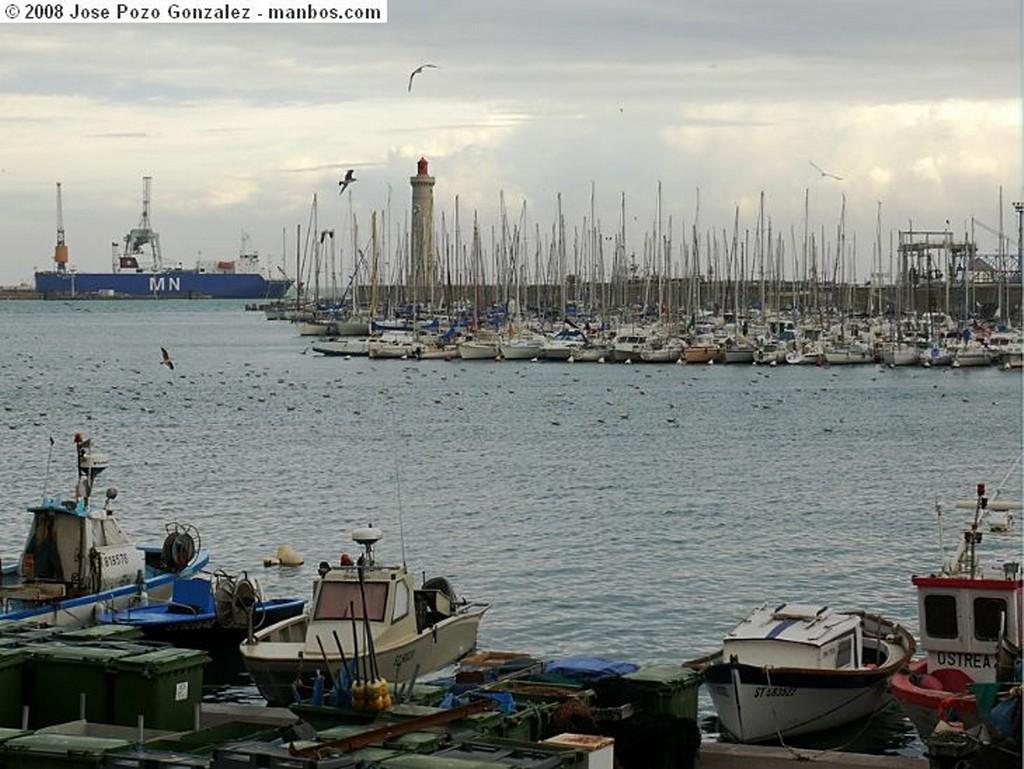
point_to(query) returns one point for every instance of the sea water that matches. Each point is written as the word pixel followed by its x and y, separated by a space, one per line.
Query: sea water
pixel 633 512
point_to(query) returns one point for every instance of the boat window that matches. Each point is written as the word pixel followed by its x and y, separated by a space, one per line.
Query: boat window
pixel 844 653
pixel 989 618
pixel 344 600
pixel 401 601
pixel 940 616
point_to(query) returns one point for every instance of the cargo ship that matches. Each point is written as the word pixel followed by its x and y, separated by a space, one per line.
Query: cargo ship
pixel 138 270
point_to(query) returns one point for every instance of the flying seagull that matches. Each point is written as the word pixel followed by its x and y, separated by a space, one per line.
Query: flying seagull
pixel 823 172
pixel 166 358
pixel 417 71
pixel 349 178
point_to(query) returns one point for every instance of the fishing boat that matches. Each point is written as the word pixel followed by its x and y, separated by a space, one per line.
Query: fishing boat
pixel 365 617
pixel 209 614
pixel 78 562
pixel 970 617
pixel 797 669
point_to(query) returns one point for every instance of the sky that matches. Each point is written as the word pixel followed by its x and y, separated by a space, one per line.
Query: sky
pixel 703 116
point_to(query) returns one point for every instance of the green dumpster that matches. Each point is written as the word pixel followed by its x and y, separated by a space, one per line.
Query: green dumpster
pixel 12 671
pixel 164 686
pixel 102 633
pixel 59 674
pixel 666 689
pixel 57 751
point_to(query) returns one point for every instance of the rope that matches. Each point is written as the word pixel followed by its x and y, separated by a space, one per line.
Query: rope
pixel 814 756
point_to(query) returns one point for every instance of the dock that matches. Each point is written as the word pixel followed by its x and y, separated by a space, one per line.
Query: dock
pixel 713 755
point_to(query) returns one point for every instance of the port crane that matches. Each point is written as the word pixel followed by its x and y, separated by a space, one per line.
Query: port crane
pixel 142 235
pixel 60 251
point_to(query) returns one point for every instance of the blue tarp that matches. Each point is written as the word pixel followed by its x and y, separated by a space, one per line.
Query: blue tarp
pixel 587 670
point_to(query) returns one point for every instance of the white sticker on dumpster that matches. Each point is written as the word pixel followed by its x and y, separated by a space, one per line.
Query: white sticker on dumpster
pixel 181 691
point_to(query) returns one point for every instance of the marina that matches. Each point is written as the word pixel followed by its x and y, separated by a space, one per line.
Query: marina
pixel 617 493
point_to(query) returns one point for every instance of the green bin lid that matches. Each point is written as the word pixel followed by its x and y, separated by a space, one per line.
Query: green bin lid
pixel 63 744
pixel 164 660
pixel 102 633
pixel 73 653
pixel 666 675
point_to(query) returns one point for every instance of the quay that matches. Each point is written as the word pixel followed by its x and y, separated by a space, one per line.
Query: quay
pixel 712 755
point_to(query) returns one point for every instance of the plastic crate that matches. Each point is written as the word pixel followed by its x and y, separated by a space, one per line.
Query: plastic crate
pixel 264 755
pixel 154 759
pixel 50 751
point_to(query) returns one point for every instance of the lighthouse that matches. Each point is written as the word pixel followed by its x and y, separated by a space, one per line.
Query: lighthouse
pixel 424 258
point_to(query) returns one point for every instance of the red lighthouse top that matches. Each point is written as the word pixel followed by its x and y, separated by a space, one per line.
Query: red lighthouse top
pixel 421 167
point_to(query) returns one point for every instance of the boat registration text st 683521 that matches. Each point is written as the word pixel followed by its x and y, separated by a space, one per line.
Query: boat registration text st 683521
pixel 774 691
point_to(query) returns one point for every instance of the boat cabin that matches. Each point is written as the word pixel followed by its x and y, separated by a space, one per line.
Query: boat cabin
pixel 796 635
pixel 351 597
pixel 971 624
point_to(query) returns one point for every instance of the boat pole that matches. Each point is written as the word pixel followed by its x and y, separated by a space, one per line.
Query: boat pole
pixel 341 653
pixel 371 654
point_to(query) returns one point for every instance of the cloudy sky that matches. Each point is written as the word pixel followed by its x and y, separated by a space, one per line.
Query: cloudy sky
pixel 916 104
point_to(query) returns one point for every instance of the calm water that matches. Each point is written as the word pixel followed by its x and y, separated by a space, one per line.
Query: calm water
pixel 630 512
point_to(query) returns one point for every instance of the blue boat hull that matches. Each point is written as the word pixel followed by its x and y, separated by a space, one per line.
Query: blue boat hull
pixel 171 284
pixel 85 609
pixel 186 626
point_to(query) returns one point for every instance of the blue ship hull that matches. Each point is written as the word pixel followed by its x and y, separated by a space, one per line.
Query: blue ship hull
pixel 168 285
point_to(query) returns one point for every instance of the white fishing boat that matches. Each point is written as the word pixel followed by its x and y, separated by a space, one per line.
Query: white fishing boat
pixel 78 562
pixel 365 617
pixel 796 669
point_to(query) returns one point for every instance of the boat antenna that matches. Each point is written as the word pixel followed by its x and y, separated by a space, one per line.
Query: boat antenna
pixel 398 485
pixel 999 488
pixel 49 459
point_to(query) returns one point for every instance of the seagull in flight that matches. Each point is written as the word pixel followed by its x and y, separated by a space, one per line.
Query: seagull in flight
pixel 166 359
pixel 823 172
pixel 417 71
pixel 349 178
